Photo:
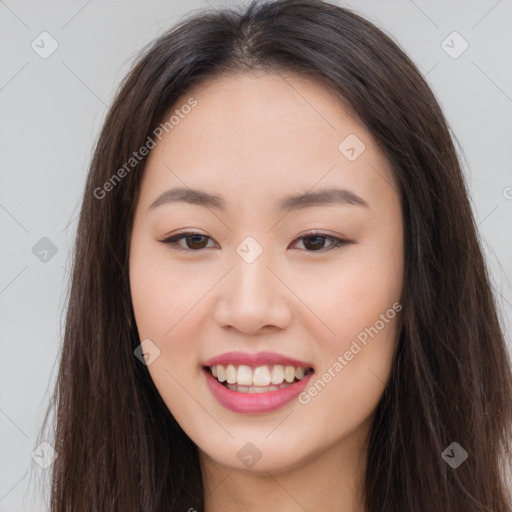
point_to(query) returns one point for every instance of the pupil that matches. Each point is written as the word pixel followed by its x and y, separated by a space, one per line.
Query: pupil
pixel 194 240
pixel 318 239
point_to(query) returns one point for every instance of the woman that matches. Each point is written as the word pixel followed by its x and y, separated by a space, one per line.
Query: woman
pixel 212 361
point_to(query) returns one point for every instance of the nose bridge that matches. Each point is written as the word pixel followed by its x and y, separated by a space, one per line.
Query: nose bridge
pixel 253 297
pixel 252 276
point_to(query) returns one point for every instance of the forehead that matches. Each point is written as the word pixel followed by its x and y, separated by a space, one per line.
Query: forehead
pixel 265 134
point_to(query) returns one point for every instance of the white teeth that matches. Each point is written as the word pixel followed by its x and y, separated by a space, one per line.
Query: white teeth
pixel 244 375
pixel 289 374
pixel 277 375
pixel 231 374
pixel 267 377
pixel 261 376
pixel 253 389
pixel 299 373
pixel 221 373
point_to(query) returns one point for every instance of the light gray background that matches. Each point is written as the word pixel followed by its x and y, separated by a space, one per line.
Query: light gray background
pixel 51 111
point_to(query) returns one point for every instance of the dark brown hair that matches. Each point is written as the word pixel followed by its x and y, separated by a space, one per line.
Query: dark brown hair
pixel 119 446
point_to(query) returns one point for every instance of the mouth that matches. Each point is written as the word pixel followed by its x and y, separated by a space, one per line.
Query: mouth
pixel 258 383
pixel 257 379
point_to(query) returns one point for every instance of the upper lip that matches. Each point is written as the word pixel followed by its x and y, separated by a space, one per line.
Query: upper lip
pixel 259 359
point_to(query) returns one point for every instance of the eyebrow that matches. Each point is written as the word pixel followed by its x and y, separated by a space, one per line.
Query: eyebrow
pixel 331 196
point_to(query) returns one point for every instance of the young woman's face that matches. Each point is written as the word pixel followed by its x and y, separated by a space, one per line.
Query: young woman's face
pixel 261 291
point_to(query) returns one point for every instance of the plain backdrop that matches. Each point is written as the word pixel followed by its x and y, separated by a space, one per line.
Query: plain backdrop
pixel 51 111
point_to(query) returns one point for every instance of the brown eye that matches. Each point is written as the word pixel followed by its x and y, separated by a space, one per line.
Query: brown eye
pixel 193 241
pixel 315 242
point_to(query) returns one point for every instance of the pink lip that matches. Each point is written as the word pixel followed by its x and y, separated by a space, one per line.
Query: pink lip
pixel 254 403
pixel 260 359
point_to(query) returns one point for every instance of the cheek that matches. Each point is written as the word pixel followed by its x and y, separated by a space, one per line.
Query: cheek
pixel 359 302
pixel 356 361
pixel 350 294
pixel 163 291
pixel 163 296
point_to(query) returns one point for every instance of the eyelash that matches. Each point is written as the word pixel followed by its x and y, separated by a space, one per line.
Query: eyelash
pixel 336 242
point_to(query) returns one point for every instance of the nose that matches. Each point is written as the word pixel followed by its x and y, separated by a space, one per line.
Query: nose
pixel 253 298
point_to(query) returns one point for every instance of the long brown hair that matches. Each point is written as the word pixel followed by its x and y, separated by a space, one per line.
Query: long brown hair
pixel 119 446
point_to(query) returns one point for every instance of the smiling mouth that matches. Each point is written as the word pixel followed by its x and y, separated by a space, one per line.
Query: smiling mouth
pixel 258 379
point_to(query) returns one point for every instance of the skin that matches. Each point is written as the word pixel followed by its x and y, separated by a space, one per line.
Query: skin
pixel 252 139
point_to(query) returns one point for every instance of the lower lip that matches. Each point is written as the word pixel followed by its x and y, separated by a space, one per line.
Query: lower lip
pixel 255 403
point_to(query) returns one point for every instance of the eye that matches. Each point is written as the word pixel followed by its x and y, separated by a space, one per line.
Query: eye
pixel 315 240
pixel 196 241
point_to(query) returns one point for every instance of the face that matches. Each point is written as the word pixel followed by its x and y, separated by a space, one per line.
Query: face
pixel 293 302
